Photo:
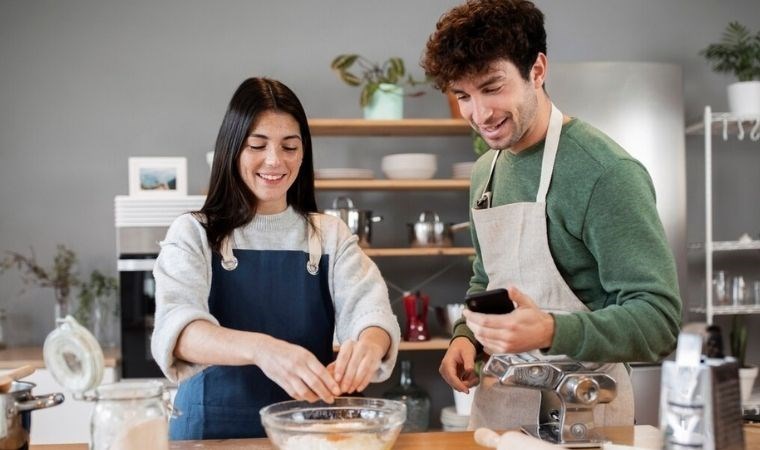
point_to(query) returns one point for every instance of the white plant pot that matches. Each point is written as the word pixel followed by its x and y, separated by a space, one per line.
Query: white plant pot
pixel 747 377
pixel 386 103
pixel 744 98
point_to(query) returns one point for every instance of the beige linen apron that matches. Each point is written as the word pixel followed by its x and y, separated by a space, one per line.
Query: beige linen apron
pixel 515 251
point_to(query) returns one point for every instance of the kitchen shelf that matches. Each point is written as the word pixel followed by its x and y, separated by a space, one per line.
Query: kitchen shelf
pixel 393 185
pixel 729 310
pixel 421 251
pixel 436 343
pixel 728 246
pixel 724 125
pixel 403 127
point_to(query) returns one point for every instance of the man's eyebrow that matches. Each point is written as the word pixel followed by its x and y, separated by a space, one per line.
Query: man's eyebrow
pixel 492 79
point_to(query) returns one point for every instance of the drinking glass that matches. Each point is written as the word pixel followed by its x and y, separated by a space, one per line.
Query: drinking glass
pixel 756 291
pixel 738 291
pixel 720 288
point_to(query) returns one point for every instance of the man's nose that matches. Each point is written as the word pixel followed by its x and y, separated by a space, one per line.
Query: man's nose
pixel 481 111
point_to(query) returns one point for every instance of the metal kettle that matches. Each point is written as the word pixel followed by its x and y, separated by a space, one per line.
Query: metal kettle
pixel 359 221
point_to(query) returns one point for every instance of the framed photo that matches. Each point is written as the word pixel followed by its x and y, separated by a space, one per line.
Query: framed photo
pixel 157 177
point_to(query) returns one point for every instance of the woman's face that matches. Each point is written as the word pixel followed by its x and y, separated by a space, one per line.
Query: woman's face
pixel 270 160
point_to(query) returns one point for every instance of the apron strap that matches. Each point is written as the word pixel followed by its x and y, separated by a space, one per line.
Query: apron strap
pixel 484 202
pixel 315 245
pixel 550 152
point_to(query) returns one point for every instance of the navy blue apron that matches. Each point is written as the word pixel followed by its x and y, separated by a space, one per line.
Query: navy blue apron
pixel 269 292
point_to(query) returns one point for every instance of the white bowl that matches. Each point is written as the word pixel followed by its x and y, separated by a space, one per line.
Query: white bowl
pixel 409 165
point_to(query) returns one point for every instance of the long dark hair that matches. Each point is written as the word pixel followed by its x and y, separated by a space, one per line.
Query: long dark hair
pixel 230 204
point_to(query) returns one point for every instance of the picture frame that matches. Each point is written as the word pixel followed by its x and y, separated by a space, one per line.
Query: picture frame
pixel 158 176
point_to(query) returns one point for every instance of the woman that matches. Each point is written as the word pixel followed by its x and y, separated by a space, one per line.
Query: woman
pixel 250 289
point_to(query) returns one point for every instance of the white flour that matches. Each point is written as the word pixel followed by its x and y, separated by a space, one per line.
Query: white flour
pixel 337 441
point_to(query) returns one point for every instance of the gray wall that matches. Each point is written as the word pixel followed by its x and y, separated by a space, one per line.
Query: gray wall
pixel 84 84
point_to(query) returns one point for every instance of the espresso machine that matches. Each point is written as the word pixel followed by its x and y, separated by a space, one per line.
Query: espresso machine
pixel 570 390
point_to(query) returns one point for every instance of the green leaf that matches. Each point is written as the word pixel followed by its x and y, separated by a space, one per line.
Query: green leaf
pixel 737 53
pixel 350 79
pixel 343 62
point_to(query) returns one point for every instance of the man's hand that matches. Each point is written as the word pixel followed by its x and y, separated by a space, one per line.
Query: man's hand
pixel 458 365
pixel 526 328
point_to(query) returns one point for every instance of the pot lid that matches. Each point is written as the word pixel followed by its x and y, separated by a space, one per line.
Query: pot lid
pixel 73 356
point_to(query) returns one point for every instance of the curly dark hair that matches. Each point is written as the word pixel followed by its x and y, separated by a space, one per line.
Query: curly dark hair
pixel 471 36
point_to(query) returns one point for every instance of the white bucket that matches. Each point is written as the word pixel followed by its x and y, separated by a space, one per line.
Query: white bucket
pixel 452 421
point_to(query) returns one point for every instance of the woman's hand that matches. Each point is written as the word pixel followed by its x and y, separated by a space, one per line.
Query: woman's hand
pixel 296 370
pixel 358 361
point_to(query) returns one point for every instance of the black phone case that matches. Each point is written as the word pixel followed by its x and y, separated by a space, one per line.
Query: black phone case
pixel 495 301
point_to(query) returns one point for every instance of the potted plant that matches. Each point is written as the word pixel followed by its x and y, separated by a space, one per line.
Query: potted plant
pixel 747 374
pixel 382 85
pixel 63 278
pixel 738 53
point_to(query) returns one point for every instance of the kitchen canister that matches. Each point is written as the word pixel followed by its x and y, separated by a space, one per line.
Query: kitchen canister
pixel 127 415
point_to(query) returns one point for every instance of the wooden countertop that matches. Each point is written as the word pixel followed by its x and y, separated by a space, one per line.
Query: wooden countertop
pixel 643 436
pixel 13 357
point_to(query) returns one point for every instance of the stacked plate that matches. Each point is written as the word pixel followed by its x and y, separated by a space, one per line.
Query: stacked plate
pixel 462 169
pixel 132 211
pixel 339 173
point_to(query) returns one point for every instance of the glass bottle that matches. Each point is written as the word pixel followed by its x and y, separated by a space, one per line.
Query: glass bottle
pixel 130 415
pixel 416 399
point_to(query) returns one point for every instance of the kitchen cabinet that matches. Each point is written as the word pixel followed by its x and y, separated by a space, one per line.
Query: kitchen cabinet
pixel 727 126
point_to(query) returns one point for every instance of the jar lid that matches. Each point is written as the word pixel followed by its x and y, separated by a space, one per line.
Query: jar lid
pixel 73 356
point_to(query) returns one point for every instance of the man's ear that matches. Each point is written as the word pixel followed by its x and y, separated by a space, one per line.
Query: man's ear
pixel 539 70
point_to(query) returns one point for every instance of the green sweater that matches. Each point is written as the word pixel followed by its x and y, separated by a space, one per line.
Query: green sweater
pixel 606 240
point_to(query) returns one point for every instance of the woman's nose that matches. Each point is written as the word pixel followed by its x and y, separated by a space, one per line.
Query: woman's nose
pixel 271 157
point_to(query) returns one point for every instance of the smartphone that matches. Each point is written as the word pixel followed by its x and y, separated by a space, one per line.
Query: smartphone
pixel 495 301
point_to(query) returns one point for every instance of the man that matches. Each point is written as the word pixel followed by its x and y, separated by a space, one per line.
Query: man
pixel 562 217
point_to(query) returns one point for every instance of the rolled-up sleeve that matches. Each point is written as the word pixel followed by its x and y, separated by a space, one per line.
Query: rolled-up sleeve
pixel 183 280
pixel 361 300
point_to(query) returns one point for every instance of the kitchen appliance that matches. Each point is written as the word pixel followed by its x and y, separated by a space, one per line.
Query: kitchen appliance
pixel 416 307
pixel 17 405
pixel 570 391
pixel 141 223
pixel 359 221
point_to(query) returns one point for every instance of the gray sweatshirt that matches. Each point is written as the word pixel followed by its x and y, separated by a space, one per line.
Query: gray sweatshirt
pixel 183 282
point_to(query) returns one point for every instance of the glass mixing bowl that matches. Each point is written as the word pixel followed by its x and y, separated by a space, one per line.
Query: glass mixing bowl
pixel 348 423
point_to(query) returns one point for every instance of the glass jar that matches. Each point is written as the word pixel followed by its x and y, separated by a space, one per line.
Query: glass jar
pixel 416 399
pixel 130 416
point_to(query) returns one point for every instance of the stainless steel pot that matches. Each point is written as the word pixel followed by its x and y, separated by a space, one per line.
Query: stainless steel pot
pixel 429 231
pixel 358 220
pixel 18 404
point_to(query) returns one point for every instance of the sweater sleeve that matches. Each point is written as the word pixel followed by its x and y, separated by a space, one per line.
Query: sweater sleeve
pixel 361 298
pixel 183 282
pixel 642 313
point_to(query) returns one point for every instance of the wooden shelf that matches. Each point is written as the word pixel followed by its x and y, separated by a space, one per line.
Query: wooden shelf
pixel 392 185
pixel 404 127
pixel 421 251
pixel 436 343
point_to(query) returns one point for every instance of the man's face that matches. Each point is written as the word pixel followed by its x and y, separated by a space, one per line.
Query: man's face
pixel 499 104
